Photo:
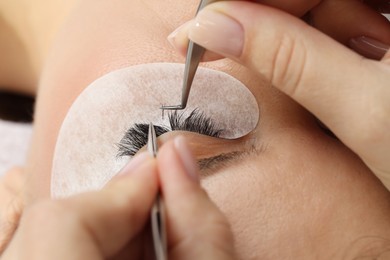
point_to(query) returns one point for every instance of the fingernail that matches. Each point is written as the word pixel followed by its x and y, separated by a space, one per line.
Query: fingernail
pixel 134 163
pixel 186 157
pixel 369 47
pixel 179 37
pixel 217 32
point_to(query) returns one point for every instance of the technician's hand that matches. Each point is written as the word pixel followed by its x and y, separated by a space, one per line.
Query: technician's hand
pixel 109 224
pixel 358 24
pixel 347 92
pixel 343 20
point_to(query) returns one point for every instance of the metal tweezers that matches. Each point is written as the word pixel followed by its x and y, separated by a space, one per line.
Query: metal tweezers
pixel 194 55
pixel 157 214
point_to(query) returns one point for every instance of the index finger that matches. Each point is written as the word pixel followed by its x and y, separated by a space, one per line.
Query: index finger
pixel 93 225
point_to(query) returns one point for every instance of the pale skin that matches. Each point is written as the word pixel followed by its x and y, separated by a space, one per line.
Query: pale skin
pixel 305 196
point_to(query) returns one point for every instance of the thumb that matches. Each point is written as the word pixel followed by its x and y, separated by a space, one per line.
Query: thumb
pixel 196 228
pixel 348 93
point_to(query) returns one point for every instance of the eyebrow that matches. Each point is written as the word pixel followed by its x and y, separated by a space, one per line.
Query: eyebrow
pixel 210 165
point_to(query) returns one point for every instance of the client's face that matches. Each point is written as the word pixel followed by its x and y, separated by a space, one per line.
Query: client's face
pixel 289 190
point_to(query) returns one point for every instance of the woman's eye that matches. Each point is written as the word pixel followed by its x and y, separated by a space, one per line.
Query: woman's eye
pixel 136 137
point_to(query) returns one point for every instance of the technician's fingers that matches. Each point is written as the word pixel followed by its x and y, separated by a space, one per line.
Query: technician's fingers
pixel 355 24
pixel 93 225
pixel 350 22
pixel 349 94
pixel 196 228
pixel 179 40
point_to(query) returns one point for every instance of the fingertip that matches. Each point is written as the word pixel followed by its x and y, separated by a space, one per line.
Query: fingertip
pixel 217 32
pixel 134 163
pixel 141 171
pixel 179 37
pixel 176 161
pixel 187 158
pixel 195 215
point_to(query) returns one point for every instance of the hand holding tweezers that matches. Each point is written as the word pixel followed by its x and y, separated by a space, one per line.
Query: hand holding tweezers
pixel 194 55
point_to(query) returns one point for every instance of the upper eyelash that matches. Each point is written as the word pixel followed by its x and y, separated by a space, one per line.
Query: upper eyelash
pixel 196 122
pixel 136 137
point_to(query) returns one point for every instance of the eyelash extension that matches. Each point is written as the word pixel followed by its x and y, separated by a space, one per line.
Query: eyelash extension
pixel 196 122
pixel 136 137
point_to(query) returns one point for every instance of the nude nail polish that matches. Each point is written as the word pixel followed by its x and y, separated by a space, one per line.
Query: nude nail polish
pixel 179 37
pixel 217 32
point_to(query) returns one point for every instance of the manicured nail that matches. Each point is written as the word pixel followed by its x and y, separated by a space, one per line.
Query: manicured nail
pixel 217 32
pixel 179 37
pixel 369 47
pixel 186 157
pixel 134 163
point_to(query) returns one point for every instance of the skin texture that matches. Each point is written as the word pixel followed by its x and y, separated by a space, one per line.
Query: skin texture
pixel 301 194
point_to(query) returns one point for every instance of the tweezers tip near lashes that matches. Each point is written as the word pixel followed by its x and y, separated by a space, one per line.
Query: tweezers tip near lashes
pixel 152 140
pixel 196 121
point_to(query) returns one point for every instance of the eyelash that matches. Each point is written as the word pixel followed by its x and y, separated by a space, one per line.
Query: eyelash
pixel 136 137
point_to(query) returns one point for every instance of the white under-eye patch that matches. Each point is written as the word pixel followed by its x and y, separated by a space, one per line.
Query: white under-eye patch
pixel 85 155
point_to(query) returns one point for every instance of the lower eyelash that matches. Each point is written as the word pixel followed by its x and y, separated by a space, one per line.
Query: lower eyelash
pixel 136 137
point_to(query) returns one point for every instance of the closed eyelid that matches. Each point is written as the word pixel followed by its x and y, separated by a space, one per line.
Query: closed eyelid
pixel 211 153
pixel 211 165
